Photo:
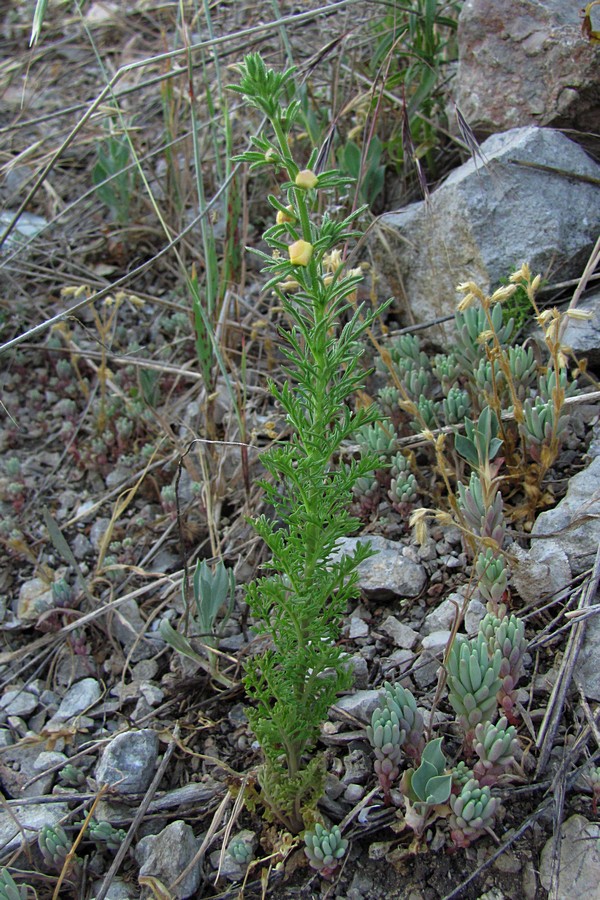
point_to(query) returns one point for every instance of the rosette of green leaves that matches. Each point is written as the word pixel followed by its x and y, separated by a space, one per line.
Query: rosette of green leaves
pixel 496 746
pixel 106 835
pixel 470 324
pixel 402 702
pixel 325 847
pixel 507 636
pixel 406 348
pixel 426 787
pixel 492 577
pixel 426 413
pixel 241 851
pixel 378 438
pixel 473 682
pixel 482 517
pixel 472 811
pixel 72 776
pixel 386 738
pixel 446 369
pixel 55 845
pixel 9 890
pixel 456 405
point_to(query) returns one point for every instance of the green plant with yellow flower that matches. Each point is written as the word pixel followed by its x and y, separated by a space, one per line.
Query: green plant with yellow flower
pixel 299 603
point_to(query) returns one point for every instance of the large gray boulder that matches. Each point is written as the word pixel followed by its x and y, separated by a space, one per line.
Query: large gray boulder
pixel 486 219
pixel 526 62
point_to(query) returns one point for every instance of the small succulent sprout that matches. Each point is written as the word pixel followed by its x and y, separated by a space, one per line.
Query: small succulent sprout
pixel 548 384
pixel 55 845
pixel 461 774
pixel 72 776
pixel 456 405
pixel 473 682
pixel 523 367
pixel 446 369
pixel 386 738
pixel 106 835
pixel 427 411
pixel 401 701
pixel 473 811
pixel 378 439
pixel 541 425
pixel 403 489
pixel 62 592
pixel 300 253
pixel 417 382
pixel 388 397
pixel 506 635
pixel 306 179
pixel 407 347
pixel 471 323
pixel 492 577
pixel 367 491
pixel 484 519
pixel 9 890
pixel 241 851
pixel 325 847
pixel 496 746
pixel 487 376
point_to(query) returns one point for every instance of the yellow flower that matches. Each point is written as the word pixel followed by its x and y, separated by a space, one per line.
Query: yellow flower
pixel 306 179
pixel 300 253
pixel 285 217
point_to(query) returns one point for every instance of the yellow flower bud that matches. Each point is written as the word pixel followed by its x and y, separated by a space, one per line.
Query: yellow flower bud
pixel 300 253
pixel 285 217
pixel 306 179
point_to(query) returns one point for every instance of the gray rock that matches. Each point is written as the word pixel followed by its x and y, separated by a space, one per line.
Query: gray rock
pixel 476 611
pixel 128 761
pixel 17 703
pixel 397 664
pixel 543 570
pixel 401 634
pixel 45 760
pixel 388 574
pixel 575 523
pixel 129 627
pixel 436 642
pixel 358 767
pixel 583 335
pixel 78 699
pixel 360 705
pixel 167 854
pixel 499 42
pixel 98 532
pixel 579 866
pixel 442 618
pixel 31 818
pixel 35 598
pixel 485 219
pixel 360 671
pixel 354 793
pixel 118 890
pixel 358 628
pixel 587 670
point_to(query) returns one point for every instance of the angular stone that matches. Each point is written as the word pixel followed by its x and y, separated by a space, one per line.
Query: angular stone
pixel 360 705
pixel 31 818
pixel 485 219
pixel 128 762
pixel 17 703
pixel 401 634
pixel 579 866
pixel 574 524
pixel 167 854
pixel 583 335
pixel 388 574
pixel 79 698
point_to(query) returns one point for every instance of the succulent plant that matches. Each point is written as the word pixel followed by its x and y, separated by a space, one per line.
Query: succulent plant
pixel 388 398
pixel 492 578
pixel 540 424
pixel 386 737
pixel 366 492
pixel 378 439
pixel 55 845
pixel 325 847
pixel 496 746
pixel 456 405
pixel 241 851
pixel 446 369
pixel 403 488
pixel 461 773
pixel 523 368
pixel 473 682
pixel 105 835
pixel 73 776
pixel 483 519
pixel 407 347
pixel 507 635
pixel 470 324
pixel 417 382
pixel 9 890
pixel 401 701
pixel 472 811
pixel 427 410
